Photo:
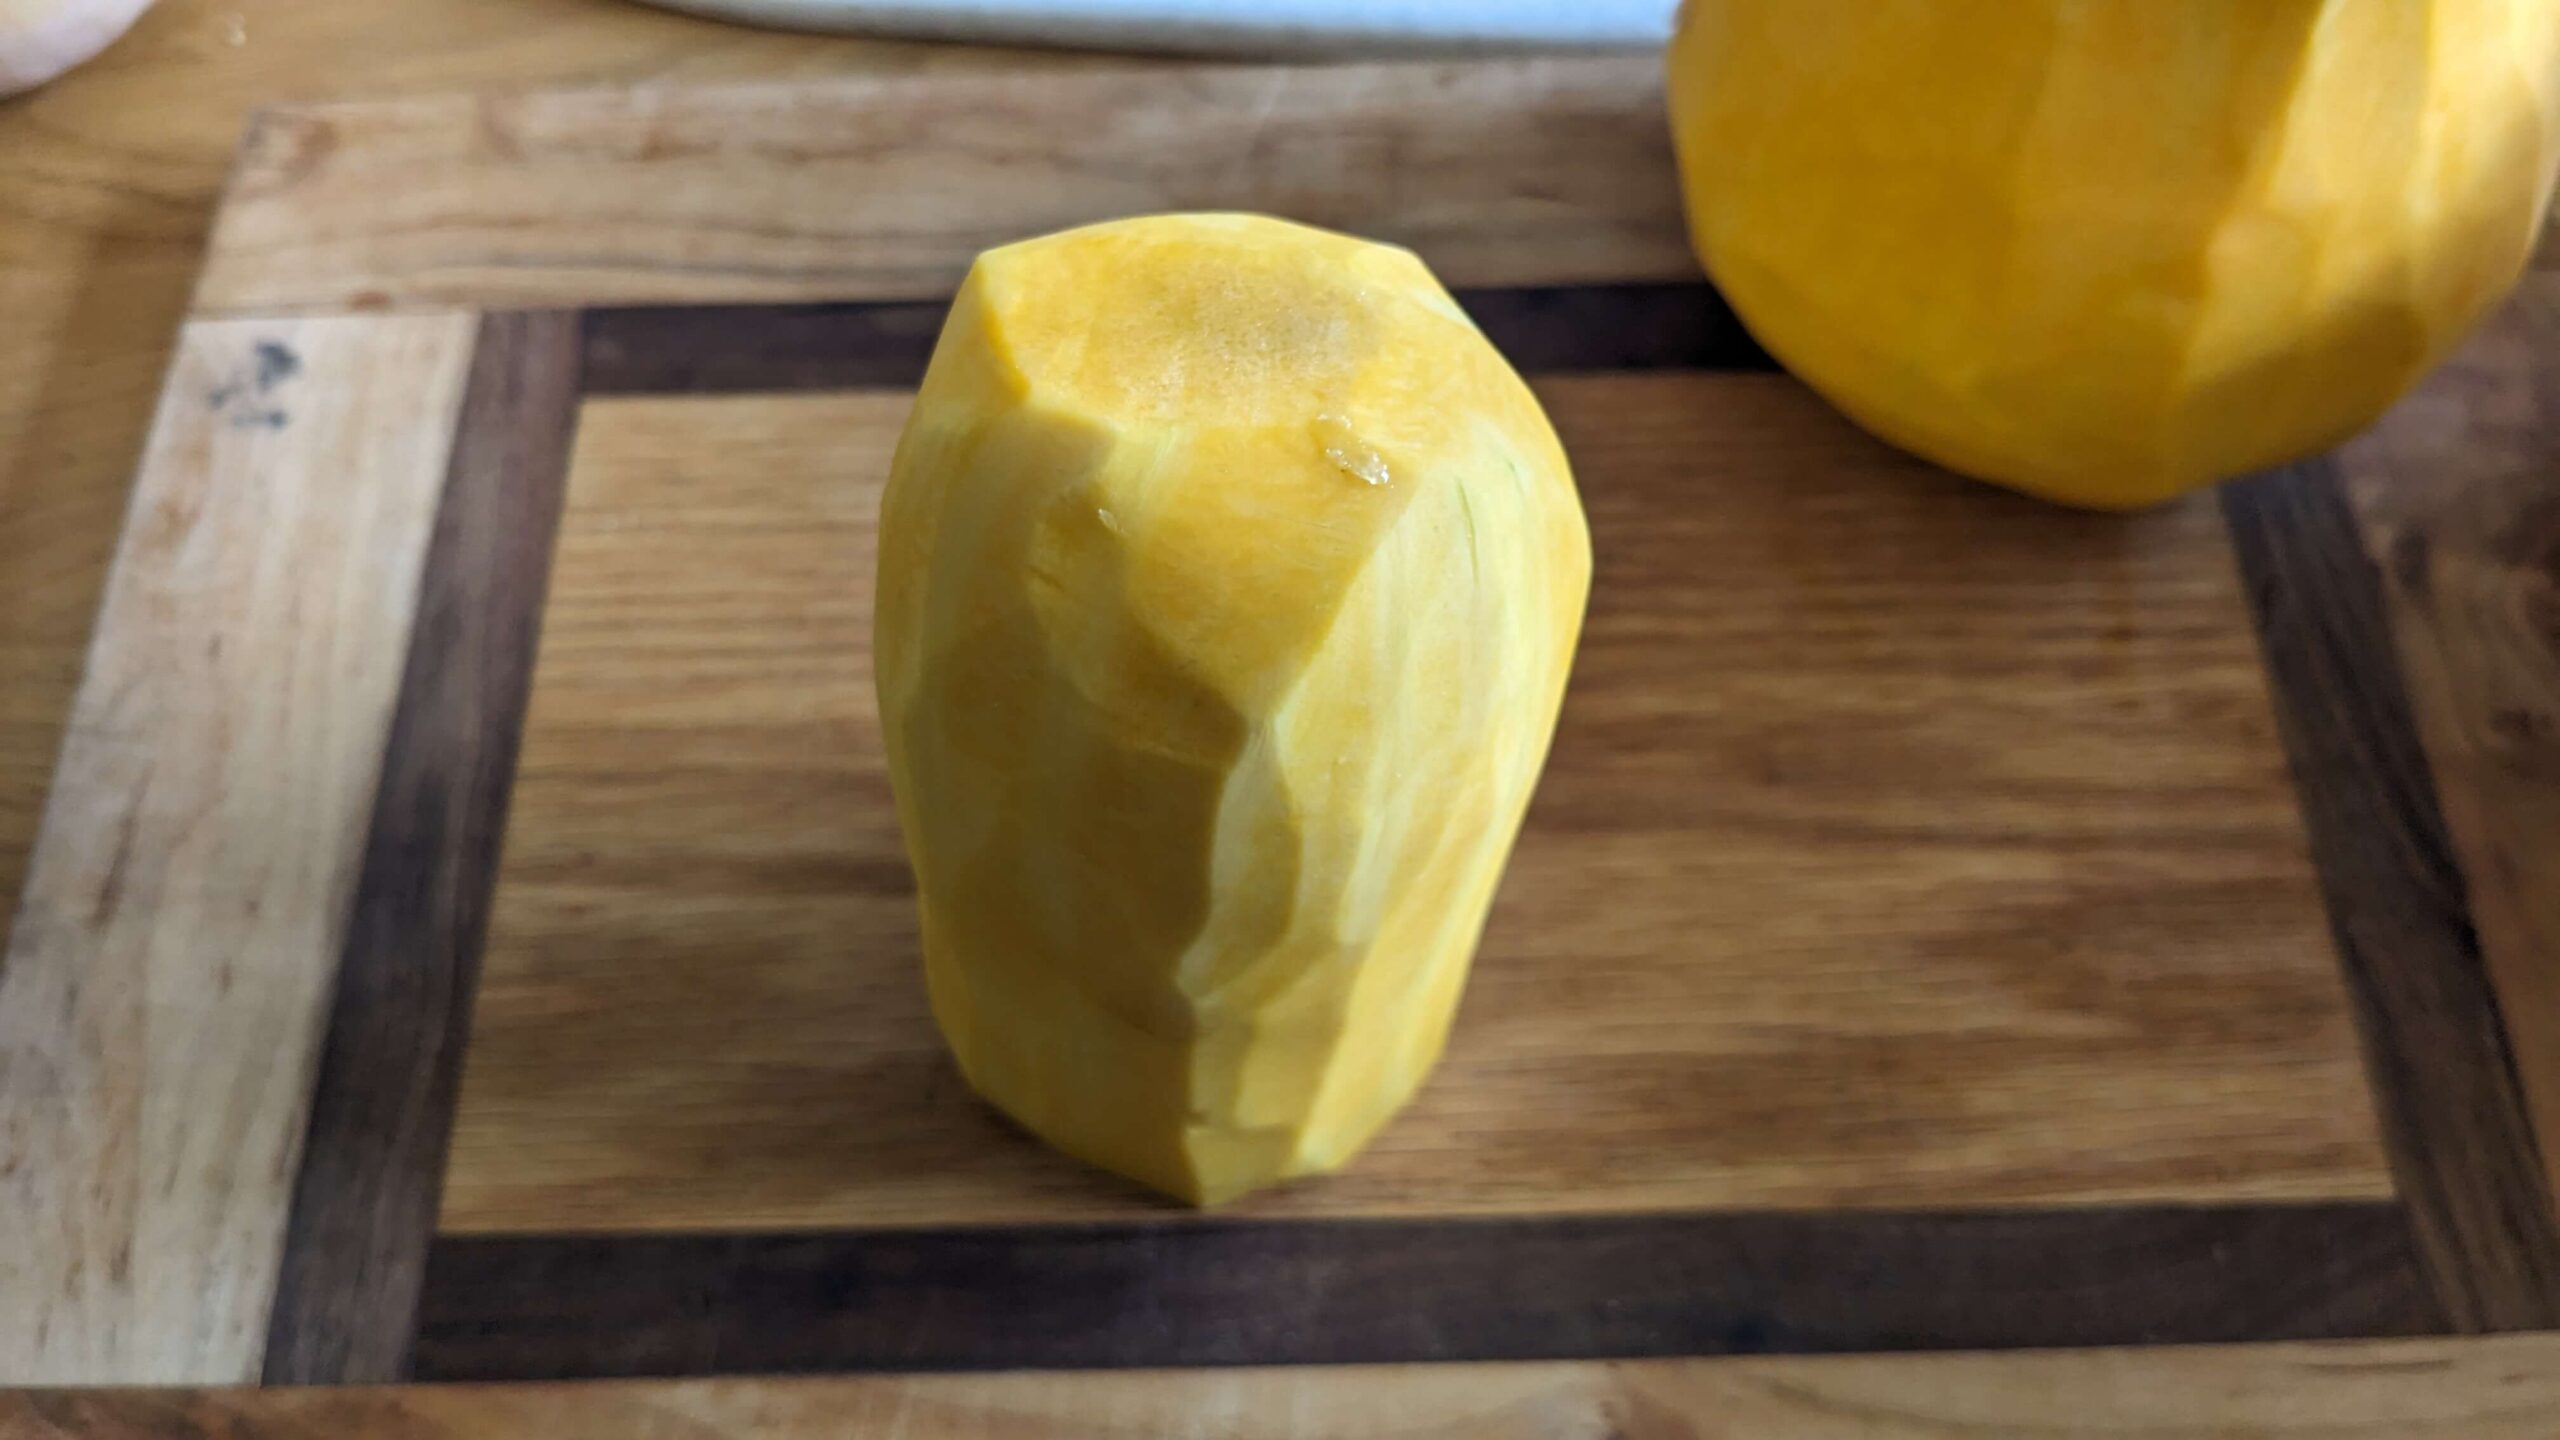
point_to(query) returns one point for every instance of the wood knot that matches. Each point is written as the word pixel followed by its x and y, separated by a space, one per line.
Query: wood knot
pixel 2412 563
pixel 2530 538
pixel 2516 725
pixel 282 149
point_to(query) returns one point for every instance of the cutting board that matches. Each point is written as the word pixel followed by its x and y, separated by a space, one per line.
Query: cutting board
pixel 469 939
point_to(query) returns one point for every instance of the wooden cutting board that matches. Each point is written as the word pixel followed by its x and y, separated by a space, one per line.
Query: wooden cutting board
pixel 1948 923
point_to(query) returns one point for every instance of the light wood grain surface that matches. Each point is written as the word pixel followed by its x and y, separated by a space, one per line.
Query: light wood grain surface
pixel 2493 1389
pixel 1944 859
pixel 886 191
pixel 107 187
pixel 165 979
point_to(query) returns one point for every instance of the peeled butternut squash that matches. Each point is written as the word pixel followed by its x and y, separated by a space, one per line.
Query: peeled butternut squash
pixel 1228 584
pixel 2107 250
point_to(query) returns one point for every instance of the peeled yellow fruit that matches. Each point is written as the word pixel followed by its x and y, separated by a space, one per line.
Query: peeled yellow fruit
pixel 1228 583
pixel 2107 250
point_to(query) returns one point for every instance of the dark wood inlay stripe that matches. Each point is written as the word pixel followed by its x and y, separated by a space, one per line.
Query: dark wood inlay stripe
pixel 373 1156
pixel 736 349
pixel 2462 1148
pixel 743 349
pixel 1220 1293
pixel 1562 330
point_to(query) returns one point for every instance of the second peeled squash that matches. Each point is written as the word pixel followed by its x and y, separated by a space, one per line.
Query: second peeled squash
pixel 2108 250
